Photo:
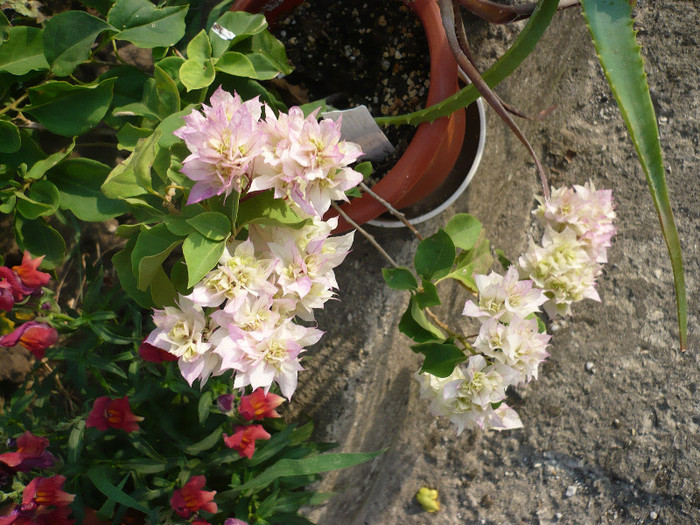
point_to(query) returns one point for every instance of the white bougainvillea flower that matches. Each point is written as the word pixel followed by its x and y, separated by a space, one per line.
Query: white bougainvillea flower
pixel 305 162
pixel 504 296
pixel 181 331
pixel 239 272
pixel 224 143
pixel 265 356
pixel 518 345
pixel 585 210
pixel 562 267
pixel 467 395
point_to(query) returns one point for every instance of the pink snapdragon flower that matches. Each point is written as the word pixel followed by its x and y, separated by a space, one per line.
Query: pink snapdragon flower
pixel 260 405
pixel 34 336
pixel 109 413
pixel 42 493
pixel 28 272
pixel 224 143
pixel 244 438
pixel 31 454
pixel 191 498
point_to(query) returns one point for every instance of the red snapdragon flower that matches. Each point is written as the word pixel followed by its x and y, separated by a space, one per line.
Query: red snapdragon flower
pixel 31 453
pixel 259 405
pixel 34 336
pixel 191 498
pixel 200 522
pixel 29 274
pixel 153 354
pixel 42 493
pixel 243 440
pixel 113 413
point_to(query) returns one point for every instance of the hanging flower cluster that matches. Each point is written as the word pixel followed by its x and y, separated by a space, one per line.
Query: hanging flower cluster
pixel 241 316
pixel 508 351
pixel 510 347
pixel 233 149
pixel 578 227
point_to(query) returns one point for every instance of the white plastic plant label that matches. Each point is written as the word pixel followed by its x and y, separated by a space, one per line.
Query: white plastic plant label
pixel 359 126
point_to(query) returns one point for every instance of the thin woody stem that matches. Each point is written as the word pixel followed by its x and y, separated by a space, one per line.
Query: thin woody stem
pixel 449 331
pixel 364 232
pixel 454 32
pixel 505 14
pixel 396 213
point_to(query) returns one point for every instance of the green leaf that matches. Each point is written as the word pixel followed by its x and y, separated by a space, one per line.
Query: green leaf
pixel 197 75
pixel 399 278
pixel 239 23
pixel 98 475
pixel 265 45
pixel 435 256
pixel 502 258
pixel 464 230
pixel 264 206
pixel 305 467
pixel 171 66
pixel 168 95
pixel 213 225
pixel 611 27
pixel 205 403
pixel 10 140
pixel 440 358
pixel 199 48
pixel 70 110
pixel 162 290
pixel 23 51
pixel 133 176
pixel 428 296
pixel 39 169
pixel 201 255
pixel 477 260
pixel 205 444
pixel 129 135
pixel 5 28
pixel 170 124
pixel 75 442
pixel 236 64
pixel 127 279
pixel 41 239
pixel 264 68
pixel 152 248
pixel 43 199
pixel 415 325
pixel 102 6
pixel 28 153
pixel 68 38
pixel 145 25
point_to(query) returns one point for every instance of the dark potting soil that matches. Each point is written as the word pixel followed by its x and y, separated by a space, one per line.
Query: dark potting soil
pixel 354 52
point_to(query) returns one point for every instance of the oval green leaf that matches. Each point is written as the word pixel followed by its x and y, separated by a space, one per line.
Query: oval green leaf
pixel 70 110
pixel 10 140
pixel 145 25
pixel 23 52
pixel 68 38
pixel 201 255
pixel 42 200
pixel 464 230
pixel 435 256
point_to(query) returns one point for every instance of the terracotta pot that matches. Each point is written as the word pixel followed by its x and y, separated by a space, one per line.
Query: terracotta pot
pixel 434 148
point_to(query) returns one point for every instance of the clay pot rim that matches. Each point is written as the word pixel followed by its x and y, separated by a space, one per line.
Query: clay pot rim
pixel 459 191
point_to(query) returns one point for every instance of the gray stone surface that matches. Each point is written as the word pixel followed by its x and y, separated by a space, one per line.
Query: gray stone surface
pixel 611 428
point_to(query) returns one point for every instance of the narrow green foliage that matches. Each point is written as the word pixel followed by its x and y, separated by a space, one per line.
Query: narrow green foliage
pixel 611 27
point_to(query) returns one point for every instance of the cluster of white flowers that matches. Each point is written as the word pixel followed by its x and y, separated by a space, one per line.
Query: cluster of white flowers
pixel 578 228
pixel 241 316
pixel 508 351
pixel 509 347
pixel 234 149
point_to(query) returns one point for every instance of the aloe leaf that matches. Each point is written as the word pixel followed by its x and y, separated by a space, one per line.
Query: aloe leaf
pixel 610 25
pixel 504 66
